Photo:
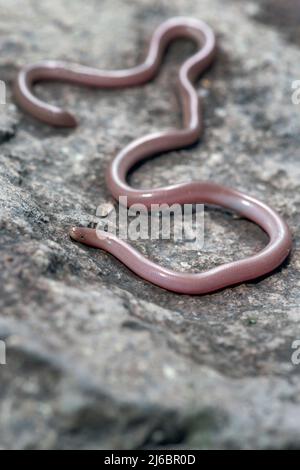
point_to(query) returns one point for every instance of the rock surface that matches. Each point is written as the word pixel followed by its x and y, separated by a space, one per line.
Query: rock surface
pixel 96 357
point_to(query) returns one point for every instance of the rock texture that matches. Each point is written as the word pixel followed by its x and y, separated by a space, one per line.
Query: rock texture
pixel 96 357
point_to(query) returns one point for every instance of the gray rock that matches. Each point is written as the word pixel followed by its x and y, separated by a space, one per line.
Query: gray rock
pixel 96 357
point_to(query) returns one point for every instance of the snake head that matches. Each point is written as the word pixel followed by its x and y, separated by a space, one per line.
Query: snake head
pixel 80 234
pixel 87 236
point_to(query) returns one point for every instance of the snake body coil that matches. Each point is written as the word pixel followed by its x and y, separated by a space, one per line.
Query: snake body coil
pixel 192 192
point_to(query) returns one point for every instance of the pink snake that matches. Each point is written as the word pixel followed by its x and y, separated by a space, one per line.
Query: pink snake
pixel 207 192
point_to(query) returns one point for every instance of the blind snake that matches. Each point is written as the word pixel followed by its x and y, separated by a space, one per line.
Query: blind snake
pixel 206 192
